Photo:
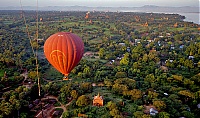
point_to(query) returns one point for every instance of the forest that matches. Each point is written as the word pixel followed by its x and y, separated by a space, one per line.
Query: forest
pixel 135 61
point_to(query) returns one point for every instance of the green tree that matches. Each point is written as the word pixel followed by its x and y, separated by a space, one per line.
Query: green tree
pixel 137 52
pixel 87 70
pixel 101 52
pixel 23 115
pixel 138 114
pixel 74 94
pixel 63 98
pixel 82 101
pixel 125 60
pixel 163 115
pixel 114 112
pixel 150 78
pixel 159 104
pixel 6 95
pixel 135 94
pixel 153 56
pixel 5 108
pixel 187 94
pixel 189 63
pixel 108 83
pixel 111 105
pixel 119 88
pixel 152 95
pixel 66 114
pixel 188 114
pixel 177 77
pixel 131 83
pixel 145 58
pixel 121 75
pixel 137 65
pixel 178 37
pixel 66 89
pixel 33 75
pixel 86 87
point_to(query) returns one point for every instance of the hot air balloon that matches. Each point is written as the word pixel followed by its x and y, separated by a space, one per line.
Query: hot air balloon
pixel 64 50
pixel 87 15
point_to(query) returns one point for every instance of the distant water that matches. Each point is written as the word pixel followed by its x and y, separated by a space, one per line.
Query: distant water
pixel 191 17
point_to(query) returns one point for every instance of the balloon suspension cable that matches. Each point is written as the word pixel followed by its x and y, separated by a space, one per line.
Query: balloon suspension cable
pixel 27 30
pixel 36 57
pixel 29 37
pixel 36 54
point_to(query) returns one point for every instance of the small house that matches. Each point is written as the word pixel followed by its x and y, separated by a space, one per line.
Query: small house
pixel 166 94
pixel 198 105
pixel 137 40
pixel 36 102
pixel 191 57
pixel 150 109
pixel 164 68
pixel 153 111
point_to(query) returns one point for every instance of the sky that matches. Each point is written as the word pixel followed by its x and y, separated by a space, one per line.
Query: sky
pixel 102 3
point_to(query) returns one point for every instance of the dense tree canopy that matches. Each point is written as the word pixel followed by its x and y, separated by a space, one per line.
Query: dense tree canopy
pixel 132 59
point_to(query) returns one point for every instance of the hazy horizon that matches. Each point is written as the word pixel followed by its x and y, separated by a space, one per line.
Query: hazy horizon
pixel 101 3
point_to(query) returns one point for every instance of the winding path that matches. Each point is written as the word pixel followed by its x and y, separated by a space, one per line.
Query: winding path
pixel 62 105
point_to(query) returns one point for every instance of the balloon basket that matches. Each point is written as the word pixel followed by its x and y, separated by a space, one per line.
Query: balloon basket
pixel 65 78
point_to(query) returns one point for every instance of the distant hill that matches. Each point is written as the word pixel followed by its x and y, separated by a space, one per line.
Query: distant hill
pixel 146 8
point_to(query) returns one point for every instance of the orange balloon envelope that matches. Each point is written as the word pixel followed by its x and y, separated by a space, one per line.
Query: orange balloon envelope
pixel 64 50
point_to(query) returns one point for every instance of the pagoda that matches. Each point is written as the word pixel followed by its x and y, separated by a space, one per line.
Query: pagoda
pixel 98 100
